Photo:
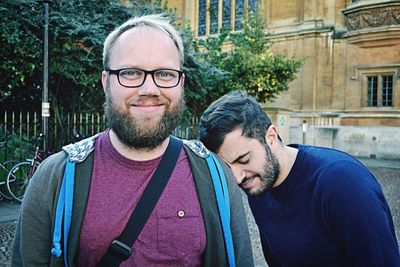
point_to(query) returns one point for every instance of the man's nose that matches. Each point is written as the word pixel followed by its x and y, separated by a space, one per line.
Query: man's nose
pixel 239 173
pixel 149 87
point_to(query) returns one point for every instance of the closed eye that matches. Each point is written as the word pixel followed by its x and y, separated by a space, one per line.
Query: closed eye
pixel 244 161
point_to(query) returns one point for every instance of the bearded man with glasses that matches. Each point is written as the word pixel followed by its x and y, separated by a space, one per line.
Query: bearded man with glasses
pixel 143 84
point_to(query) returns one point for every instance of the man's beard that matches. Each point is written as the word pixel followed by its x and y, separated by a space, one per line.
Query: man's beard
pixel 130 132
pixel 268 177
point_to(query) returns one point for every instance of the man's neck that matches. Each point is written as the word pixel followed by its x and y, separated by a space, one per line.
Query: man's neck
pixel 286 160
pixel 137 154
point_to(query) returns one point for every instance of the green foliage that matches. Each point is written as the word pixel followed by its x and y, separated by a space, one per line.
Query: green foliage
pixel 77 30
pixel 19 50
pixel 201 77
pixel 16 148
pixel 249 63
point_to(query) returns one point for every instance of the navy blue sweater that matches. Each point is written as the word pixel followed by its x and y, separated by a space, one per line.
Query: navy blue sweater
pixel 330 211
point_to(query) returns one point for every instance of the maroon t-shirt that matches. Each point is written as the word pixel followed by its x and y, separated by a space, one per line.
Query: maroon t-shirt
pixel 174 235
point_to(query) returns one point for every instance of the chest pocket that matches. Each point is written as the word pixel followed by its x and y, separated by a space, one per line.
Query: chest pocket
pixel 180 233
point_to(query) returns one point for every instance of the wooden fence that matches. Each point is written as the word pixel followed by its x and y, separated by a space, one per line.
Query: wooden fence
pixel 20 129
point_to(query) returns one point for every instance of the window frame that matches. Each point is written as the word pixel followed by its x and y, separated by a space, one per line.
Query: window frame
pixel 219 13
pixel 360 74
pixel 365 99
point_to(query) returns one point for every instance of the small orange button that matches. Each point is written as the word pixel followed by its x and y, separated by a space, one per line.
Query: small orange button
pixel 181 214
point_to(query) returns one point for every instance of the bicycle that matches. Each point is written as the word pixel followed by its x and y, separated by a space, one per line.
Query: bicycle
pixel 21 173
pixel 4 169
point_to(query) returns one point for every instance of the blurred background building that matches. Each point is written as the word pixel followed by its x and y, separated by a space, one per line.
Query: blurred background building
pixel 347 94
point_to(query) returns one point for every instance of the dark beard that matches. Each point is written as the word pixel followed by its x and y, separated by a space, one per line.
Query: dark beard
pixel 271 172
pixel 133 136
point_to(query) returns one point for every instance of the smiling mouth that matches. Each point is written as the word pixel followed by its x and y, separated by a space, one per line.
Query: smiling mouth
pixel 149 106
pixel 246 182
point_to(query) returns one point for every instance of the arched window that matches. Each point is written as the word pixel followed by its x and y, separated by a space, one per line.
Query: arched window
pixel 213 16
pixel 202 17
pixel 226 14
pixel 216 14
pixel 239 14
pixel 253 5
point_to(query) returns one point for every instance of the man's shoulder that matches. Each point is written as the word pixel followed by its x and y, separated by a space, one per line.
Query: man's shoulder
pixel 79 151
pixel 197 148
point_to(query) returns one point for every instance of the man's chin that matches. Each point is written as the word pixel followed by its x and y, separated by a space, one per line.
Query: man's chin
pixel 256 190
pixel 252 193
pixel 148 127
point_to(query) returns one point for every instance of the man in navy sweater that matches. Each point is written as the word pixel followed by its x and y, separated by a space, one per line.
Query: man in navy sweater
pixel 313 206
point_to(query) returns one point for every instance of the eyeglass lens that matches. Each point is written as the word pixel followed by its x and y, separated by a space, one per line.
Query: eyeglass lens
pixel 161 77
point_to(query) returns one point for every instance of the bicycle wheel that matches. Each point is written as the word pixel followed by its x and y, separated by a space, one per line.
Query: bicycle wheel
pixel 18 179
pixel 4 169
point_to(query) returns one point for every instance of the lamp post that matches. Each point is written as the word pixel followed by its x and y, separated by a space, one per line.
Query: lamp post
pixel 45 89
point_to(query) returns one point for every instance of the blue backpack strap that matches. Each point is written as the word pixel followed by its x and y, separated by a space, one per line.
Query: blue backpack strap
pixel 222 195
pixel 64 211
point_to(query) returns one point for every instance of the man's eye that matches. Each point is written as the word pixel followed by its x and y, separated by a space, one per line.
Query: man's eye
pixel 130 74
pixel 165 74
pixel 244 161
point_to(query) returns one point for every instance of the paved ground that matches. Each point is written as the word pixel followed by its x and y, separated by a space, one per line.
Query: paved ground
pixel 387 172
pixel 8 216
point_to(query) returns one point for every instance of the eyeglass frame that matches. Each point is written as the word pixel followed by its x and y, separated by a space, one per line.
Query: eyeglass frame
pixel 146 73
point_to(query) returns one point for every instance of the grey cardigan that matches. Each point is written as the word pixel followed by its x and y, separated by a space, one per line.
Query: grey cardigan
pixel 33 237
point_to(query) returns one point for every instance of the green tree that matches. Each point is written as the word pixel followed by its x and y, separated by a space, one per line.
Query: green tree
pixel 248 64
pixel 77 30
pixel 201 77
pixel 20 51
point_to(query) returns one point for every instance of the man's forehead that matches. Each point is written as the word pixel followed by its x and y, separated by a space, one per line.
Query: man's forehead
pixel 233 145
pixel 143 30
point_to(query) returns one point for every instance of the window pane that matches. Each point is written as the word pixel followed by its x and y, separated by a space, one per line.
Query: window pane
pixel 213 16
pixel 253 5
pixel 226 14
pixel 239 14
pixel 387 90
pixel 202 17
pixel 372 88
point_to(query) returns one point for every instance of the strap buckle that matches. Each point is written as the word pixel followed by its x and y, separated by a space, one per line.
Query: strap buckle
pixel 120 250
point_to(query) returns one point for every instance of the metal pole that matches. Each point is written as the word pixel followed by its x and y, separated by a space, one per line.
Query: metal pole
pixel 304 132
pixel 45 94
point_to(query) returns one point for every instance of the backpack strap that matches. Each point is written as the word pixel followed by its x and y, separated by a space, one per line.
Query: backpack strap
pixel 64 211
pixel 76 152
pixel 65 203
pixel 222 195
pixel 121 248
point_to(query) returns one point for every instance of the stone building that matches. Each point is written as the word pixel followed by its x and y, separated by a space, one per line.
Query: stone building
pixel 347 94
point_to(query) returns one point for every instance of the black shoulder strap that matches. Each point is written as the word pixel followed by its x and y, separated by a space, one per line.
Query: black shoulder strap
pixel 121 248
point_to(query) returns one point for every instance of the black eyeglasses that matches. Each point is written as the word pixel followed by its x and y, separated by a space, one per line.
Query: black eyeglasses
pixel 134 77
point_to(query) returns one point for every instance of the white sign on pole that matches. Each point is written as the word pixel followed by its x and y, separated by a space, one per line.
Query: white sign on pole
pixel 45 109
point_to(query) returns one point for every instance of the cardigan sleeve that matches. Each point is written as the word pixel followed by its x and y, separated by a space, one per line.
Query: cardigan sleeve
pixel 33 237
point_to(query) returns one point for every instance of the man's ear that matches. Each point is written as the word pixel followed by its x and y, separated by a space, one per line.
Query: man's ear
pixel 183 80
pixel 271 137
pixel 104 77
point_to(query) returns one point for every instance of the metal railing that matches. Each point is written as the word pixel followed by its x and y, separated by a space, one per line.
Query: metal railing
pixel 19 128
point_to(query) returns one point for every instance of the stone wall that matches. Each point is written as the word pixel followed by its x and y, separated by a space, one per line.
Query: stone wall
pixel 359 141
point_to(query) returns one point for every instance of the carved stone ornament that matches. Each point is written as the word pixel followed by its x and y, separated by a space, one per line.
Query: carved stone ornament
pixel 374 17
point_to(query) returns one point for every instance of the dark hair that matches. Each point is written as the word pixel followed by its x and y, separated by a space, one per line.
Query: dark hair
pixel 236 109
